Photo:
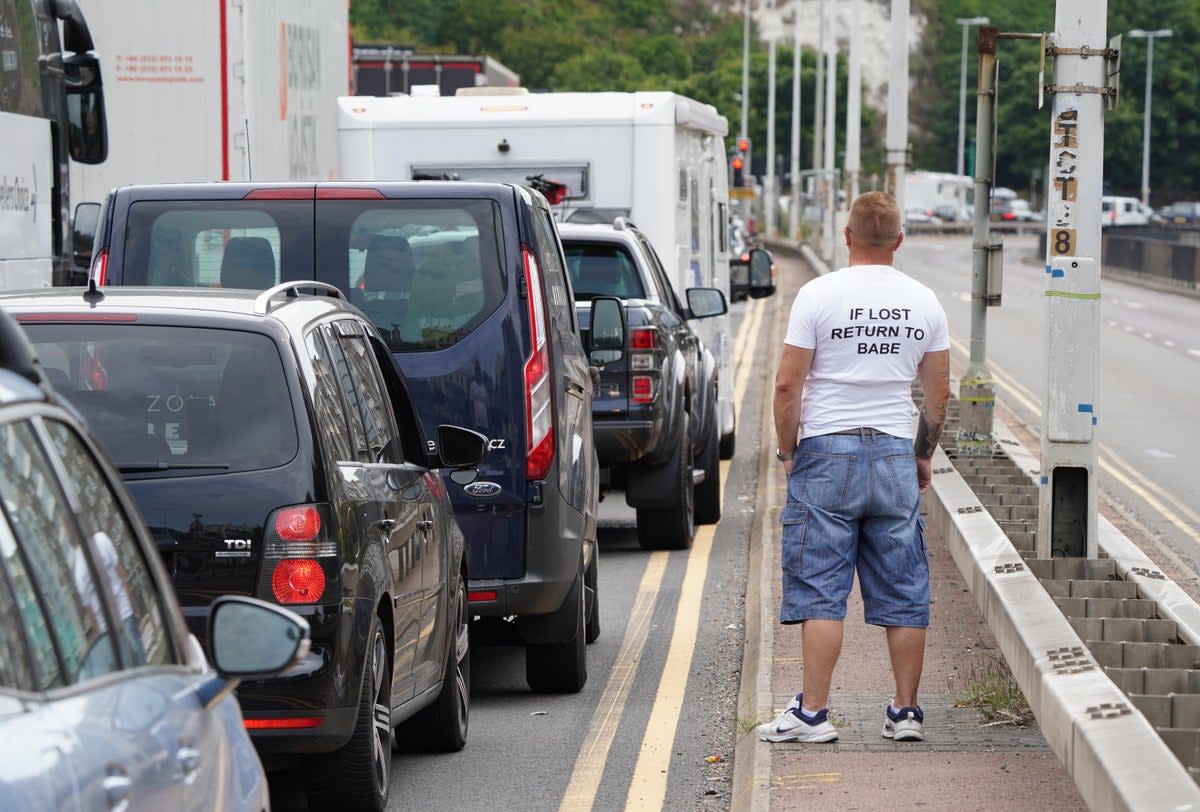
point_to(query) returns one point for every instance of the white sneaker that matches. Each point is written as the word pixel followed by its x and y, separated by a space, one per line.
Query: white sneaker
pixel 904 725
pixel 791 726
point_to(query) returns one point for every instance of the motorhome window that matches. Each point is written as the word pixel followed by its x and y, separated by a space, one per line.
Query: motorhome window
pixel 427 272
pixel 218 243
pixel 175 396
pixel 603 269
pixel 573 176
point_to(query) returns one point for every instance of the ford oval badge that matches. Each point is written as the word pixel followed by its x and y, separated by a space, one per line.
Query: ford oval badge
pixel 482 490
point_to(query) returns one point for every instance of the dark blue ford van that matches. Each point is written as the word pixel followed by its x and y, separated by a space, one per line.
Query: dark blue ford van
pixel 468 286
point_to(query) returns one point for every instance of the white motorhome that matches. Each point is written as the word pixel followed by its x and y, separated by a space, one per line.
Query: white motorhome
pixel 222 90
pixel 655 157
pixel 940 194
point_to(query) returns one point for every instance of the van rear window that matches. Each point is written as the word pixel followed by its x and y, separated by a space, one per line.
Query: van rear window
pixel 217 243
pixel 602 269
pixel 425 272
pixel 185 399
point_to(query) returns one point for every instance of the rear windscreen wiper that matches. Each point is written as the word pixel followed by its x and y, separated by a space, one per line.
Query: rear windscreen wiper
pixel 144 467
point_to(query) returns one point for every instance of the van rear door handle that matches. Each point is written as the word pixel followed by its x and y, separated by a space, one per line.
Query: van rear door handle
pixel 575 388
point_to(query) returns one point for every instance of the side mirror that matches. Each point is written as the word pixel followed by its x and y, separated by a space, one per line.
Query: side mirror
pixel 461 448
pixel 83 233
pixel 706 302
pixel 253 638
pixel 87 127
pixel 607 331
pixel 762 274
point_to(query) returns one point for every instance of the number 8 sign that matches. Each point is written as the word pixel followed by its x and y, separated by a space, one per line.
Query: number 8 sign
pixel 1062 242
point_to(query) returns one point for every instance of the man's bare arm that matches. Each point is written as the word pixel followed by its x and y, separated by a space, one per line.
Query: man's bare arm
pixel 789 389
pixel 934 374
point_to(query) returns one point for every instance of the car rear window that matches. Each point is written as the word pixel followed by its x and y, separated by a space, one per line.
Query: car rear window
pixel 602 269
pixel 426 272
pixel 186 400
pixel 217 243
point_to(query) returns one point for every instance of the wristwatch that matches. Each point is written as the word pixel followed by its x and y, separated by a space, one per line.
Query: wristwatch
pixel 779 455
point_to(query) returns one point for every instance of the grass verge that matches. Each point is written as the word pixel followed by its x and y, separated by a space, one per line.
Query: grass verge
pixel 988 685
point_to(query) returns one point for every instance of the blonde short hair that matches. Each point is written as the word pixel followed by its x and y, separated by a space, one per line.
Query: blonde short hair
pixel 875 220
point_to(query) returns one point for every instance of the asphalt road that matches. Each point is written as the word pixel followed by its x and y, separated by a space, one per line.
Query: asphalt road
pixel 659 703
pixel 1149 364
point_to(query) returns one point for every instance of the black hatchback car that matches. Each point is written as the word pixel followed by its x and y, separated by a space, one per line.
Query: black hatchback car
pixel 269 441
pixel 468 286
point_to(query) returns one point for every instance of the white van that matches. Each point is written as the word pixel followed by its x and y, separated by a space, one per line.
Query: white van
pixel 1124 211
pixel 657 158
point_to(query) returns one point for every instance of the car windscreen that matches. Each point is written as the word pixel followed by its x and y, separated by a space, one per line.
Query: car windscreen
pixel 602 269
pixel 252 243
pixel 183 400
pixel 426 272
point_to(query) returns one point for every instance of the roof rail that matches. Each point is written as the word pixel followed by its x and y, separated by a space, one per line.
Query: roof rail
pixel 621 223
pixel 262 305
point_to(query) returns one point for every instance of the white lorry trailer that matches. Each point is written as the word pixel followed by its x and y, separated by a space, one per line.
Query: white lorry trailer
pixel 657 158
pixel 221 90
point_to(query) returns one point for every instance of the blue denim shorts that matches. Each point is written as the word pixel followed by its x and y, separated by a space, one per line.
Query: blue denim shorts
pixel 853 504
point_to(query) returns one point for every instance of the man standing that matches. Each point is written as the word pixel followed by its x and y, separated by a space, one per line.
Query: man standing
pixel 856 340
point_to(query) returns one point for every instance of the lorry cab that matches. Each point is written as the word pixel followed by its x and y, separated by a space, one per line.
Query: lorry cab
pixel 467 284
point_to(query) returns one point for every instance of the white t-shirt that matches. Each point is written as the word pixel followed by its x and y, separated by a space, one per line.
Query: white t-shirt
pixel 869 327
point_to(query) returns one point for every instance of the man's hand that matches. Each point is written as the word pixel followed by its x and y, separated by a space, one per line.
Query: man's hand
pixel 924 474
pixel 787 467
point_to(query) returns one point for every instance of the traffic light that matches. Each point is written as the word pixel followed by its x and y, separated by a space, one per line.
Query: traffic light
pixel 743 157
pixel 737 178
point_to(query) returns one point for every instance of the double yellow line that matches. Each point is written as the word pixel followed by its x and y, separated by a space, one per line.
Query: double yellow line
pixel 1178 514
pixel 648 787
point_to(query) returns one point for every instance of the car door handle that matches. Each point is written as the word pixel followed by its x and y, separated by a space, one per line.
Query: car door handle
pixel 386 525
pixel 116 786
pixel 425 524
pixel 575 388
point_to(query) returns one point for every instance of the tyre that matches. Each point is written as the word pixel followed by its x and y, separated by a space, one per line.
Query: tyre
pixel 707 495
pixel 673 528
pixel 561 668
pixel 442 726
pixel 591 580
pixel 356 776
pixel 728 441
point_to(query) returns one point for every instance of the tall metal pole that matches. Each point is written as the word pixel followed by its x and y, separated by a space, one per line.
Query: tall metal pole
pixel 794 207
pixel 962 89
pixel 896 139
pixel 1067 514
pixel 1150 36
pixel 854 104
pixel 819 93
pixel 977 390
pixel 831 186
pixel 769 196
pixel 745 71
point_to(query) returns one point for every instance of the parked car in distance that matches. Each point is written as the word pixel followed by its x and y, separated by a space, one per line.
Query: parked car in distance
pixel 269 440
pixel 1182 213
pixel 467 284
pixel 1126 211
pixel 1014 210
pixel 654 415
pixel 107 701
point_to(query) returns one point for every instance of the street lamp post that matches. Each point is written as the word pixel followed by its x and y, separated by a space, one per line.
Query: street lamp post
pixel 962 87
pixel 1149 36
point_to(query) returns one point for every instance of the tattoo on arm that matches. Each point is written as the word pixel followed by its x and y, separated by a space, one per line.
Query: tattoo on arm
pixel 929 433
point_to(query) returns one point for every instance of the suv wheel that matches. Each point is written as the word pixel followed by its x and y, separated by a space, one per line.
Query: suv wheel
pixel 561 668
pixel 708 492
pixel 356 776
pixel 442 726
pixel 673 528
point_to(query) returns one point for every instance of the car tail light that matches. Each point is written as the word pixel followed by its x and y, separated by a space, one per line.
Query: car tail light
pixel 643 389
pixel 286 193
pixel 348 193
pixel 286 723
pixel 100 267
pixel 643 338
pixel 298 523
pixel 539 411
pixel 482 595
pixel 298 580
